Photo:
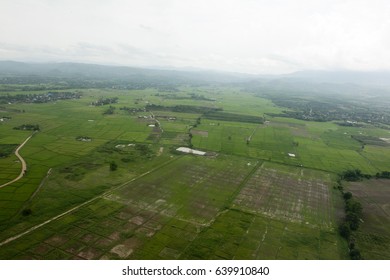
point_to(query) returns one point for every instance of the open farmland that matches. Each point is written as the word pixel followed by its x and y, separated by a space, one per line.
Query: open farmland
pixel 185 209
pixel 373 234
pixel 104 180
pixel 292 194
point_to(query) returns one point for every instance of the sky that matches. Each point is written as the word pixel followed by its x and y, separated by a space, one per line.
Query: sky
pixel 248 36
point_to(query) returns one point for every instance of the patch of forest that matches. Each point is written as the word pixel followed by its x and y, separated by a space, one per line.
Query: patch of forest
pixel 38 98
pixel 32 127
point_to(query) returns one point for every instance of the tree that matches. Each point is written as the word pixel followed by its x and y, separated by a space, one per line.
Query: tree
pixel 354 207
pixel 354 220
pixel 344 230
pixel 355 254
pixel 347 195
pixel 26 212
pixel 113 166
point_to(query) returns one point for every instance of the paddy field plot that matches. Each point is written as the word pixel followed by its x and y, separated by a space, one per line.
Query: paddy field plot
pixel 195 208
pixel 250 200
pixel 288 193
pixel 372 237
pixel 323 146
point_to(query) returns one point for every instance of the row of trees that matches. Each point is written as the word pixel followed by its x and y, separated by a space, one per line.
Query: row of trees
pixel 354 175
pixel 104 101
pixel 353 218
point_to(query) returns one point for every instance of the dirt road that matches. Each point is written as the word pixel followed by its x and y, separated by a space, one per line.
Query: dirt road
pixel 24 165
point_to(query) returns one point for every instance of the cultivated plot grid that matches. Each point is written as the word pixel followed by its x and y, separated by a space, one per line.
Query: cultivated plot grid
pixel 287 196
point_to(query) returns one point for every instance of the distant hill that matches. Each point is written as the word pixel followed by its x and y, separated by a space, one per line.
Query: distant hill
pixel 94 71
pixel 376 78
pixel 109 75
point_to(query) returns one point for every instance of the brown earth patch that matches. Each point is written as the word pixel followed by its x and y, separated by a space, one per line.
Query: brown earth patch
pixel 74 247
pixel 89 238
pixel 202 133
pixel 104 242
pixel 115 236
pixel 122 251
pixel 169 253
pixel 56 240
pixel 146 231
pixel 42 249
pixel 138 220
pixel 90 253
pixel 126 249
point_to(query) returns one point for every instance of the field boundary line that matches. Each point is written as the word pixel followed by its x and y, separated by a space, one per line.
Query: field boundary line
pixel 24 164
pixel 12 238
pixel 244 181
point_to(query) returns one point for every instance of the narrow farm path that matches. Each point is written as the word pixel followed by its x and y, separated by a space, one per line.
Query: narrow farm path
pixel 24 165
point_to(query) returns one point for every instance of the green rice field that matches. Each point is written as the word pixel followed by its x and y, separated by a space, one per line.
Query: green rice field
pixel 104 185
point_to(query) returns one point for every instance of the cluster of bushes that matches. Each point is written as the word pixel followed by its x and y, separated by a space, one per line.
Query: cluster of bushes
pixel 354 175
pixel 110 110
pixel 105 101
pixel 383 174
pixel 7 149
pixel 130 151
pixel 84 138
pixel 131 110
pixel 33 127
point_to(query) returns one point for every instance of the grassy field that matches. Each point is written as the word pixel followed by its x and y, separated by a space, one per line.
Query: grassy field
pixel 266 193
pixel 373 235
pixel 191 208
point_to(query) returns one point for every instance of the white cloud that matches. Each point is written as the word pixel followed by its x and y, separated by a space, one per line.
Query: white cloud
pixel 256 36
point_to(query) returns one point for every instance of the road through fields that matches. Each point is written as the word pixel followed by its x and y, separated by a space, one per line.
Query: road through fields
pixel 24 165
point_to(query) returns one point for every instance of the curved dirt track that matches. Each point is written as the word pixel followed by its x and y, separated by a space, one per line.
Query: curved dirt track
pixel 24 165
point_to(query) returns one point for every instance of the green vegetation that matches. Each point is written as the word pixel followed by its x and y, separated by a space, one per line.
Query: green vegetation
pixel 113 166
pixel 383 174
pixel 370 140
pixel 181 108
pixel 223 116
pixel 304 106
pixel 33 127
pixel 267 188
pixel 7 149
pixel 110 110
pixel 38 98
pixel 105 101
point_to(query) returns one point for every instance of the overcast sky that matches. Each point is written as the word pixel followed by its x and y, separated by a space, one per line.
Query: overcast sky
pixel 251 36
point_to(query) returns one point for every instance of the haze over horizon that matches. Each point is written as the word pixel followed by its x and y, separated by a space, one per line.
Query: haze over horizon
pixel 248 36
